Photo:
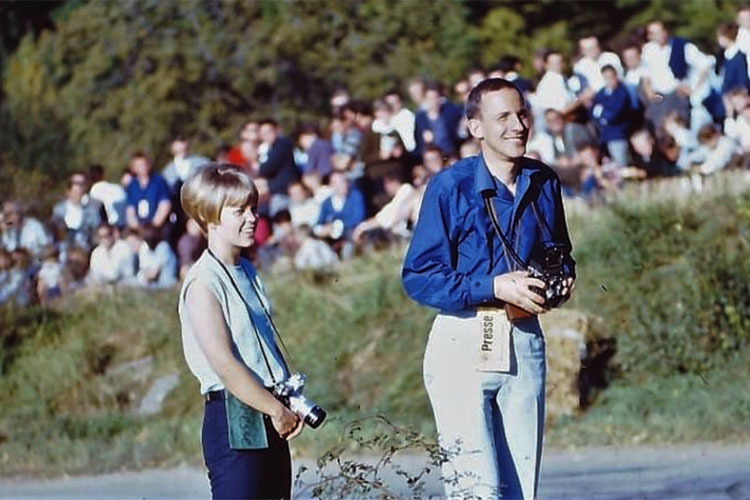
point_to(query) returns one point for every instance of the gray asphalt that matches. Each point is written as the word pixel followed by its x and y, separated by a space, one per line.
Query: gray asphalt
pixel 688 472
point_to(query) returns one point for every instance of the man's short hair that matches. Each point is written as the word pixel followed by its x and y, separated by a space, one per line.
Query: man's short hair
pixel 394 92
pixel 728 30
pixel 308 128
pixel 268 121
pixel 96 173
pixel 213 187
pixel 707 132
pixel 434 86
pixel 508 63
pixel 140 155
pixel 474 101
pixel 608 67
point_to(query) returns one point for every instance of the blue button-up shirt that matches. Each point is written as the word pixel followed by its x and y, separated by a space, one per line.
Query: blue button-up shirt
pixel 455 253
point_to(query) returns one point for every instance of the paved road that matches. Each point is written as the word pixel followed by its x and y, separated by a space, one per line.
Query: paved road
pixel 675 472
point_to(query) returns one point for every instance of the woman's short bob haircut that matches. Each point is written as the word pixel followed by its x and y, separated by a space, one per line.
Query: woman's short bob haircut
pixel 213 187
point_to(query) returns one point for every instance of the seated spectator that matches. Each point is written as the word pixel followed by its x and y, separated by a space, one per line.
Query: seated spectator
pixel 597 178
pixel 276 251
pixel 6 264
pixel 540 145
pixel 676 127
pixel 433 160
pixel 113 260
pixel 438 124
pixel 20 284
pixel 313 254
pixel 416 89
pixel 393 219
pixel 319 151
pixel 469 148
pixel 567 137
pixel 716 151
pixel 20 231
pixel 342 211
pixel 77 217
pixel 279 168
pixel 76 268
pixel 650 159
pixel 190 246
pixel 612 113
pixel 183 164
pixel 112 196
pixel 51 281
pixel 304 209
pixel 148 195
pixel 320 190
pixel 157 263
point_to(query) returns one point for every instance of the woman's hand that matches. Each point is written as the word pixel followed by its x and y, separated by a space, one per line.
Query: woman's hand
pixel 285 422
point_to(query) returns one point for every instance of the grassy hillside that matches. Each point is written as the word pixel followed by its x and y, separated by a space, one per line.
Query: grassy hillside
pixel 668 283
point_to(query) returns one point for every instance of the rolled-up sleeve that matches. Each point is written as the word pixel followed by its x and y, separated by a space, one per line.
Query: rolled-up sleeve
pixel 428 273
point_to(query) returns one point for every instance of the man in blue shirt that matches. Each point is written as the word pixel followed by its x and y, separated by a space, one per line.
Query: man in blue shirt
pixel 485 375
pixel 613 113
pixel 148 195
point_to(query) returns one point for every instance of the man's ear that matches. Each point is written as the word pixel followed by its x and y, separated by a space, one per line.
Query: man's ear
pixel 475 128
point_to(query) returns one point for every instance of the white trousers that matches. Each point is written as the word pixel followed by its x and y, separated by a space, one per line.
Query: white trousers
pixel 490 425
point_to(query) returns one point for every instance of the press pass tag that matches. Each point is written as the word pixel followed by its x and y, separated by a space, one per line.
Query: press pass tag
pixel 494 346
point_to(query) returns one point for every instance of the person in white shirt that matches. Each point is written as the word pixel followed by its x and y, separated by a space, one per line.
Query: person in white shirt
pixel 183 164
pixel 112 261
pixel 553 91
pixel 737 123
pixel 157 263
pixel 678 76
pixel 743 35
pixel 303 208
pixel 402 119
pixel 112 196
pixel 636 75
pixel 19 231
pixel 716 151
pixel 313 254
pixel 592 60
pixel 393 218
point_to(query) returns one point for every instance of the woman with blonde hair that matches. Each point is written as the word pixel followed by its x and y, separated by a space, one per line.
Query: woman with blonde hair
pixel 229 342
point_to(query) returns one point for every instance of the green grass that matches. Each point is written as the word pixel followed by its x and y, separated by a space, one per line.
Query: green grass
pixel 668 282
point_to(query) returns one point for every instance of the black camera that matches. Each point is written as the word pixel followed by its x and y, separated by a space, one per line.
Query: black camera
pixel 289 392
pixel 552 272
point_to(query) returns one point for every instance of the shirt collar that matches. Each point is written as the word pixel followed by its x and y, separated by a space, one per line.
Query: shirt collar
pixel 484 180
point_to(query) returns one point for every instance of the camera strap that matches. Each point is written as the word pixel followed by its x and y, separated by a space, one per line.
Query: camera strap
pixel 248 309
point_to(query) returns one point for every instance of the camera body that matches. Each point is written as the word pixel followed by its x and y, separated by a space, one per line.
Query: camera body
pixel 552 272
pixel 289 392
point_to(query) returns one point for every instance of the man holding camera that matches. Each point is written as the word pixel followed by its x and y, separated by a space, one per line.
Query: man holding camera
pixel 491 251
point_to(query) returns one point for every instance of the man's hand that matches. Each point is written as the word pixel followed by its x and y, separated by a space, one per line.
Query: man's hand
pixel 285 422
pixel 515 288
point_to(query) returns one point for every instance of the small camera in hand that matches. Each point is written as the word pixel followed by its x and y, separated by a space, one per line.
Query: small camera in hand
pixel 552 272
pixel 289 392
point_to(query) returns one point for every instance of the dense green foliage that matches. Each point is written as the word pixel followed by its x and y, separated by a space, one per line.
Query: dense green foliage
pixel 93 81
pixel 668 282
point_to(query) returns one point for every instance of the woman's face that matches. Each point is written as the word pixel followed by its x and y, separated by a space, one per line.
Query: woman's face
pixel 237 224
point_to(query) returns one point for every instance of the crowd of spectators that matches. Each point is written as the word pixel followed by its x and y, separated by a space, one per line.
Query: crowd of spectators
pixel 657 107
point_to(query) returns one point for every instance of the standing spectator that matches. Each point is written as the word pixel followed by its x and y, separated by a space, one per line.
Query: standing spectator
pixel 50 282
pixel 20 231
pixel 303 208
pixel 279 168
pixel 613 113
pixel 402 119
pixel 438 123
pixel 553 91
pixel 157 263
pixel 342 211
pixel 112 196
pixel 743 34
pixel 678 76
pixel 593 60
pixel 183 164
pixel 509 68
pixel 635 73
pixel 735 71
pixel 319 151
pixel 245 154
pixel 77 217
pixel 416 89
pixel 148 195
pixel 567 137
pixel 113 260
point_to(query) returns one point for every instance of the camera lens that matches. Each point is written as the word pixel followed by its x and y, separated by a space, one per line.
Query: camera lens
pixel 315 417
